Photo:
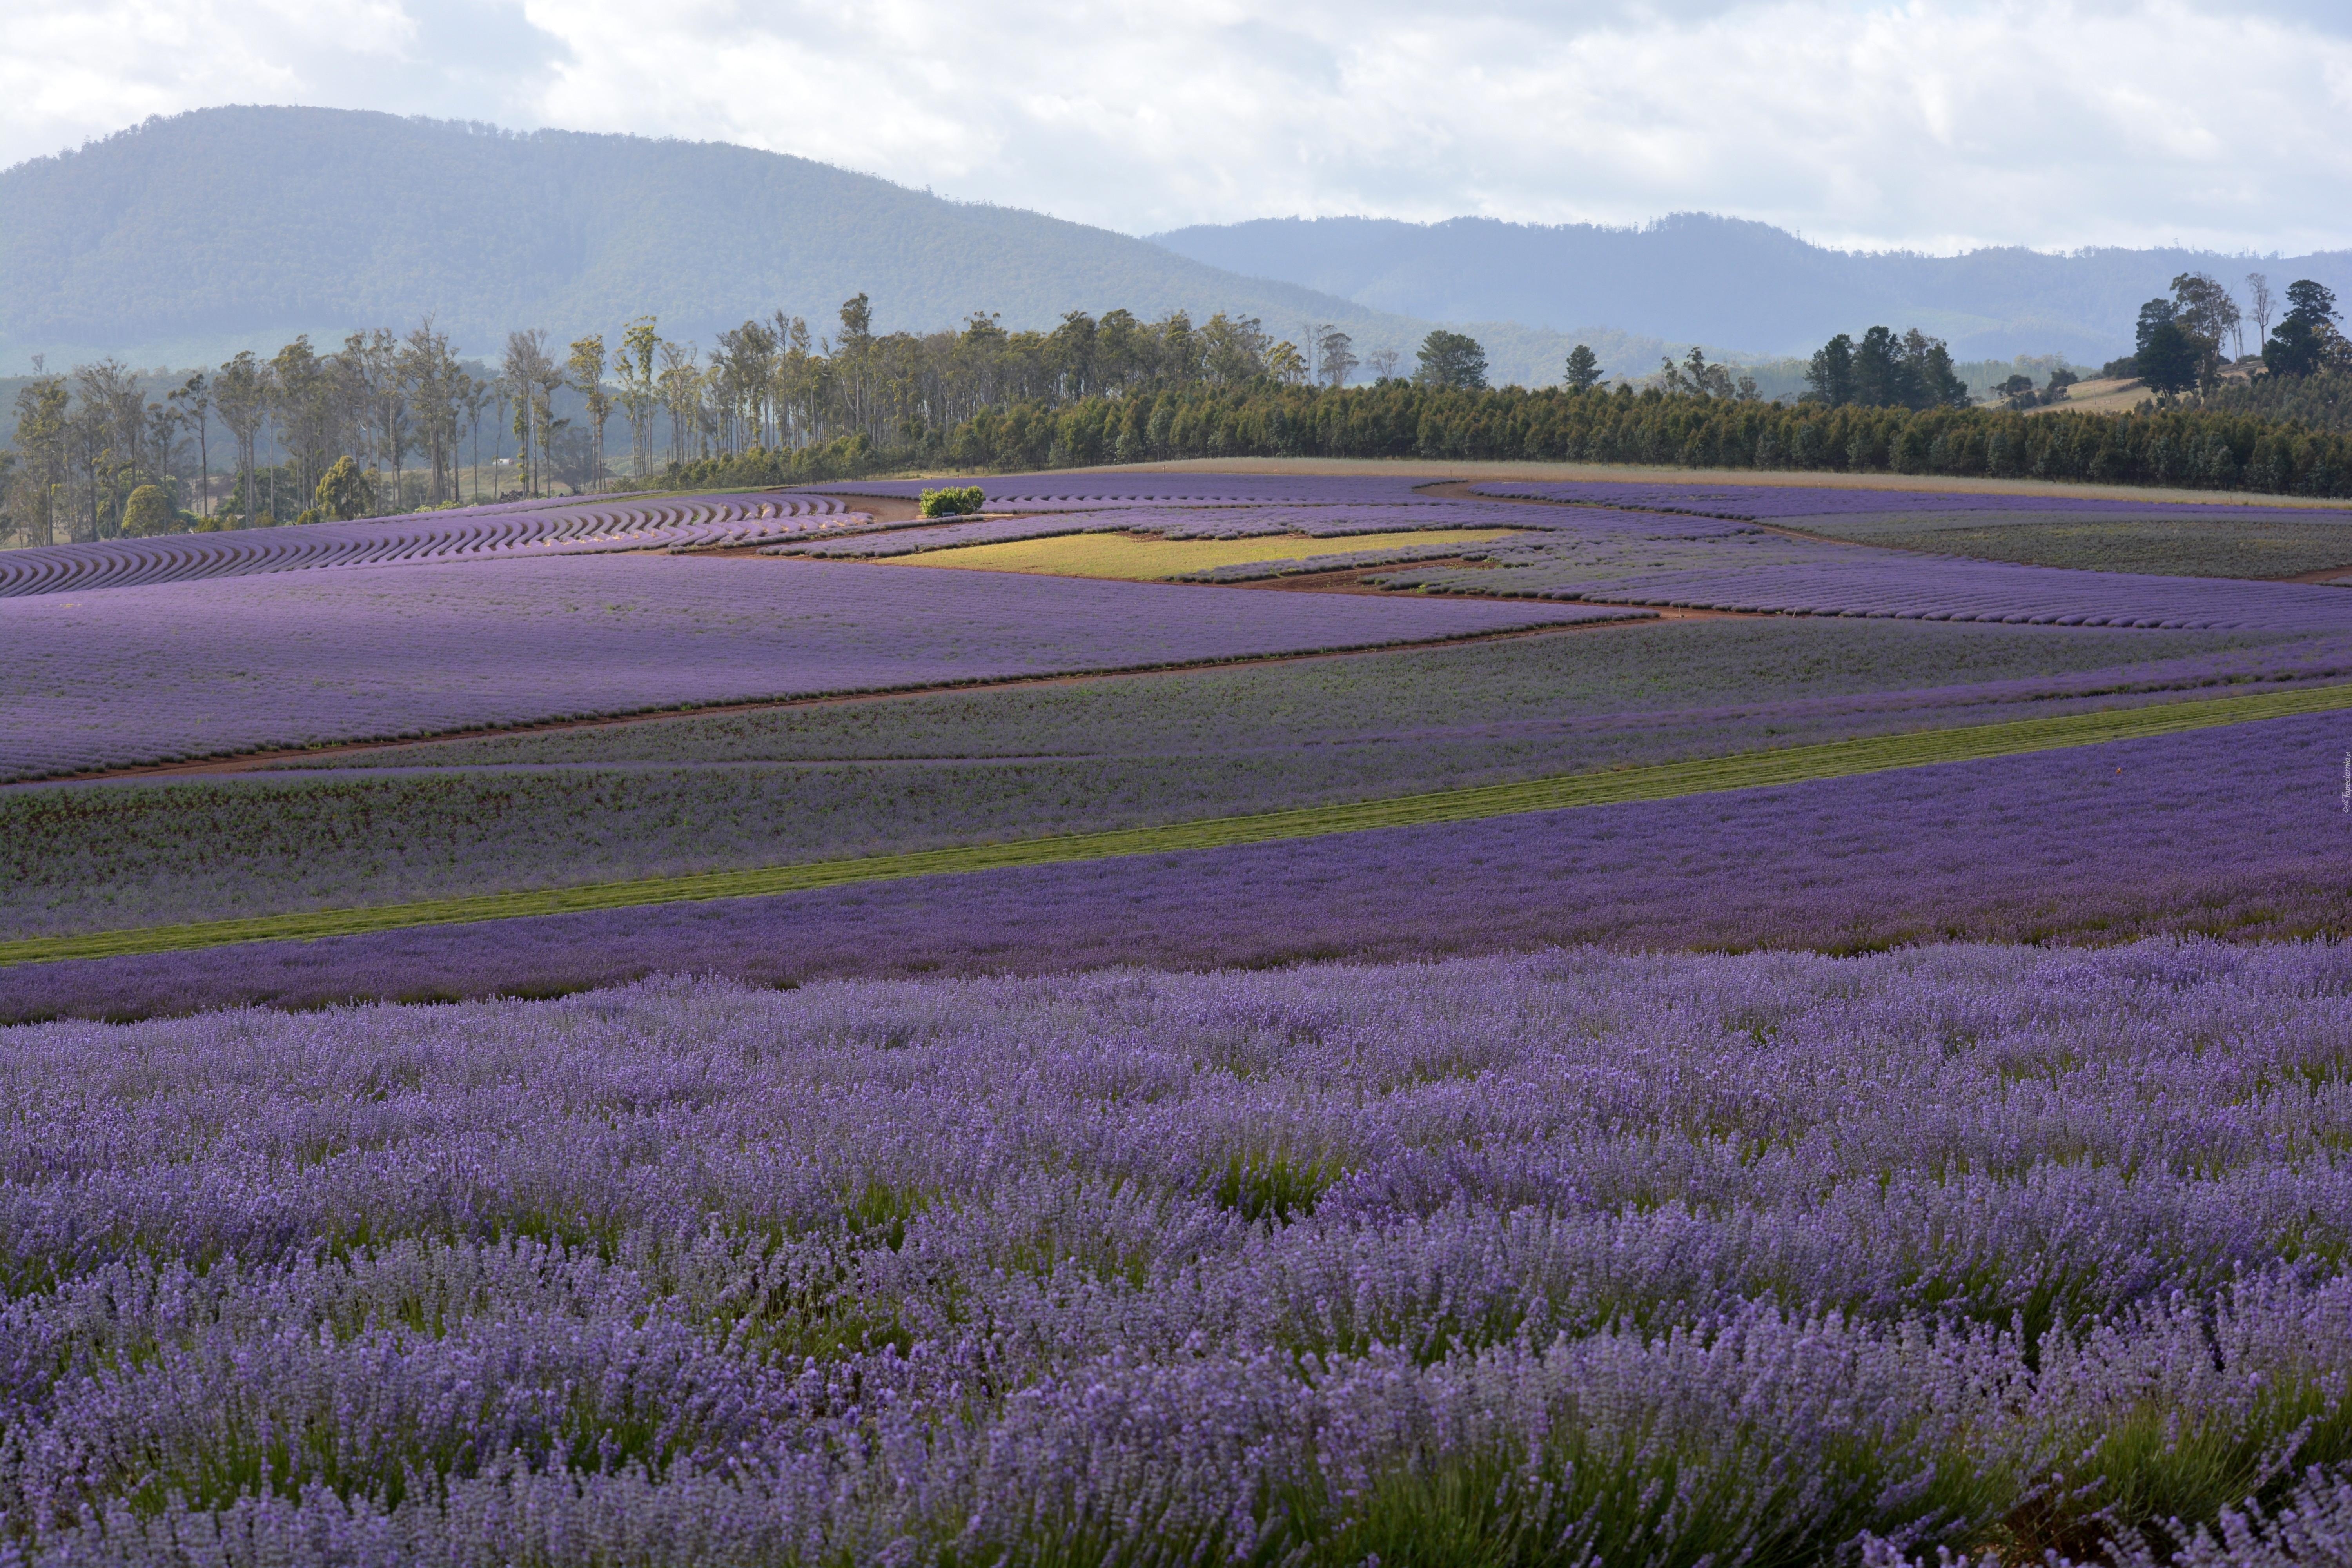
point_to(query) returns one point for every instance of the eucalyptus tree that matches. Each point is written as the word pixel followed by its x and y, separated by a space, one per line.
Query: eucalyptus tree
pixel 587 371
pixel 530 377
pixel 640 349
pixel 113 439
pixel 41 442
pixel 242 393
pixel 311 401
pixel 1335 355
pixel 850 355
pixel 1232 350
pixel 435 386
pixel 193 397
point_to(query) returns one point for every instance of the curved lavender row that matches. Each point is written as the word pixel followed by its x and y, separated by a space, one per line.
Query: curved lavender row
pixel 1763 503
pixel 542 529
pixel 1161 1263
pixel 1087 491
pixel 153 673
pixel 2217 830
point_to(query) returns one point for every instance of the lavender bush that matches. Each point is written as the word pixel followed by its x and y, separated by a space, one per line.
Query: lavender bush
pixel 514 528
pixel 1768 1258
pixel 144 673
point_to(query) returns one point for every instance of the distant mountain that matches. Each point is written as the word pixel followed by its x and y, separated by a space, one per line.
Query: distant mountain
pixel 1746 286
pixel 184 240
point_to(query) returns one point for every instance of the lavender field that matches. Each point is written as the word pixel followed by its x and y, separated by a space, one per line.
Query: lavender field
pixel 2234 832
pixel 2085 533
pixel 468 533
pixel 697 793
pixel 147 674
pixel 1569 1257
pixel 1941 1164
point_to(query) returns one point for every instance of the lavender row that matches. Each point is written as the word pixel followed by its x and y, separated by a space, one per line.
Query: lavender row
pixel 1766 502
pixel 1318 1265
pixel 1084 492
pixel 2236 831
pixel 145 674
pixel 697 793
pixel 454 535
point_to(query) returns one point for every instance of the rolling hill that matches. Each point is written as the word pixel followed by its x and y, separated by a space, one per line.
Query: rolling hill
pixel 1748 286
pixel 182 239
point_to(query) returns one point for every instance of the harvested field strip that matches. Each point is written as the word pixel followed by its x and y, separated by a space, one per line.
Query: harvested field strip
pixel 1131 559
pixel 1747 770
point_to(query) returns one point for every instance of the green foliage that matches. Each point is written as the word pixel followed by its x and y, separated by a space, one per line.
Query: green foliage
pixel 1884 371
pixel 1583 368
pixel 345 491
pixel 2307 340
pixel 149 511
pixel 963 500
pixel 2194 448
pixel 845 458
pixel 2167 356
pixel 1452 361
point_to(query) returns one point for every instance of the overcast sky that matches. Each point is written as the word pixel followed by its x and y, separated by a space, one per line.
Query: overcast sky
pixel 1936 124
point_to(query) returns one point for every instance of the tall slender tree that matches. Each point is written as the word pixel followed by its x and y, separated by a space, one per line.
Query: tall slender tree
pixel 193 397
pixel 587 371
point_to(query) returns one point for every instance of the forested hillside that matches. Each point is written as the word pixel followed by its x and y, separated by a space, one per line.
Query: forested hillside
pixel 184 239
pixel 1746 286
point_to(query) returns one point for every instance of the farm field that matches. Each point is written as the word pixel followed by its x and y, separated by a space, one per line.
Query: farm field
pixel 688 794
pixel 1287 1018
pixel 1131 559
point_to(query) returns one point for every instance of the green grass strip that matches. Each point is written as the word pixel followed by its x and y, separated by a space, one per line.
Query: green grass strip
pixel 1744 770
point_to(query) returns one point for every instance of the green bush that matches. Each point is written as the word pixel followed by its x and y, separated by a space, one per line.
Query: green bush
pixel 961 500
pixel 148 512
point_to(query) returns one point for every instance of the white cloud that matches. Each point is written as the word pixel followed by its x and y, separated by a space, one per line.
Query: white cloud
pixel 1929 123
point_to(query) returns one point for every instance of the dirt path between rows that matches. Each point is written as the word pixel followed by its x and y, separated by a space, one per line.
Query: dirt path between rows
pixel 255 761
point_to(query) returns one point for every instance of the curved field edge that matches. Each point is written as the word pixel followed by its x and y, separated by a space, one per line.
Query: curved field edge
pixel 1601 615
pixel 1794 764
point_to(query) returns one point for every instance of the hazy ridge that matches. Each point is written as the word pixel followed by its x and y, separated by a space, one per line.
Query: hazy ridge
pixel 1746 286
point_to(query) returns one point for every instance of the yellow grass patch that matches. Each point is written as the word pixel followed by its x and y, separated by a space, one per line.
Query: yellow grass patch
pixel 1141 558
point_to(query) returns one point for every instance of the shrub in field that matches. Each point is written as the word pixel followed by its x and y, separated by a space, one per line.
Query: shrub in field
pixel 964 500
pixel 345 493
pixel 148 511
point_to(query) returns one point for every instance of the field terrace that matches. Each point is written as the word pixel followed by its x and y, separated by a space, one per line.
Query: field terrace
pixel 1517 1021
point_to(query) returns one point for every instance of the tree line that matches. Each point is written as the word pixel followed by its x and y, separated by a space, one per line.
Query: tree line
pixel 2179 341
pixel 396 422
pixel 2189 447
